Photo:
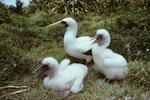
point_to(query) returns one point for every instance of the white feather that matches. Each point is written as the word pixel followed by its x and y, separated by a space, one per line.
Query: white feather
pixel 83 44
pixel 64 64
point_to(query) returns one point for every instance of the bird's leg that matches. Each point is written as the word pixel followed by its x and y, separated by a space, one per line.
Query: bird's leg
pixel 95 68
pixel 65 93
pixel 108 80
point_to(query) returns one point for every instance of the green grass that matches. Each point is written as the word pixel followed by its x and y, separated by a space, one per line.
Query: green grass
pixel 25 44
pixel 93 89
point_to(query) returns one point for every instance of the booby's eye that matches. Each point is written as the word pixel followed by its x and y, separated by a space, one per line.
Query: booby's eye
pixel 65 23
pixel 100 35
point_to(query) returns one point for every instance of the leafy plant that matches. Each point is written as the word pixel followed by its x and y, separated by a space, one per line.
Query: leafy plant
pixel 4 14
pixel 12 63
pixel 137 70
pixel 134 30
pixel 81 7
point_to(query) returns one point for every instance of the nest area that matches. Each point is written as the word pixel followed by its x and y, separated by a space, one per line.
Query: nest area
pixel 25 42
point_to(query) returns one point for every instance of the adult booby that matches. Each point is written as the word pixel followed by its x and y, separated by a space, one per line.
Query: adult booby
pixel 76 47
pixel 111 64
pixel 63 77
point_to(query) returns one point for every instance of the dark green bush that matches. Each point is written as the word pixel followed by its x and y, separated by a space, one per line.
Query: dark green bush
pixel 20 35
pixel 12 63
pixel 133 29
pixel 139 73
pixel 4 14
pixel 79 7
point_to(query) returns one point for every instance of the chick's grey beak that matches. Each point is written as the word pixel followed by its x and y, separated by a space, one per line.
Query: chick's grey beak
pixel 41 70
pixel 95 38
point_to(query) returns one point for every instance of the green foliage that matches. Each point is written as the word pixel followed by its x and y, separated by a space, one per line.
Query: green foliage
pixel 23 34
pixel 39 19
pixel 139 73
pixel 133 27
pixel 12 63
pixel 18 21
pixel 19 6
pixel 18 9
pixel 81 7
pixel 4 13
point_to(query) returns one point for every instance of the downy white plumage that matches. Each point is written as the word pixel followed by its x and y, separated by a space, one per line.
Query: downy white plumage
pixel 63 77
pixel 76 47
pixel 109 63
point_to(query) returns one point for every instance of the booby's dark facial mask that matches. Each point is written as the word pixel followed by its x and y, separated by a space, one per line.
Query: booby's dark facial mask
pixel 64 23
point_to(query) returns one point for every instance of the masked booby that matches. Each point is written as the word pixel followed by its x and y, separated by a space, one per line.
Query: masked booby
pixel 64 77
pixel 80 47
pixel 109 63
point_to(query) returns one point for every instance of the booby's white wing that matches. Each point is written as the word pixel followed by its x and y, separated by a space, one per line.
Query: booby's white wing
pixel 113 60
pixel 84 44
pixel 64 64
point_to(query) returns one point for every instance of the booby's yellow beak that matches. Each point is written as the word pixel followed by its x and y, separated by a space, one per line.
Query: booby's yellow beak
pixel 59 23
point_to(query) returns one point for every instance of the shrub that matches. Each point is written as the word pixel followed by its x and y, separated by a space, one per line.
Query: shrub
pixel 139 73
pixel 4 14
pixel 13 63
pixel 132 30
pixel 79 7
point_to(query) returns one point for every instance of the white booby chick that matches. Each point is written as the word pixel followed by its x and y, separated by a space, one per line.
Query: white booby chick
pixel 109 63
pixel 80 47
pixel 63 77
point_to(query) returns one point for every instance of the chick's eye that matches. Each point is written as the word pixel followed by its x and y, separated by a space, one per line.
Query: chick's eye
pixel 100 35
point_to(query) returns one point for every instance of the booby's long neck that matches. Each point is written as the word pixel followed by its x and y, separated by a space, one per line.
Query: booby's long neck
pixel 70 34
